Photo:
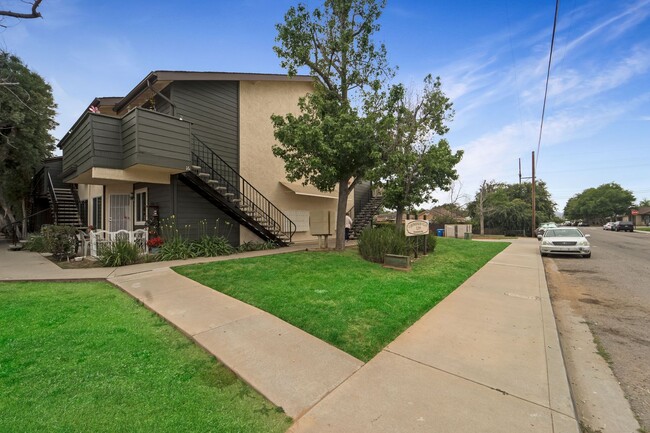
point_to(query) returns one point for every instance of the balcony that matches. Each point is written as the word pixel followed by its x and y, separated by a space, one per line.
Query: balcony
pixel 141 146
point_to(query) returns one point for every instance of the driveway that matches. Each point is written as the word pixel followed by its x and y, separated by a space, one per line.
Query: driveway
pixel 611 291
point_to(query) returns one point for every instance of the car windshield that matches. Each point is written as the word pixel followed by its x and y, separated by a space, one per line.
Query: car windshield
pixel 563 233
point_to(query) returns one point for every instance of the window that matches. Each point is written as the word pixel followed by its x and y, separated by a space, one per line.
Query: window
pixel 140 206
pixel 83 212
pixel 97 213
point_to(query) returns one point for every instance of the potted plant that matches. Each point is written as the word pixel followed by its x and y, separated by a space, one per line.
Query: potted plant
pixel 154 244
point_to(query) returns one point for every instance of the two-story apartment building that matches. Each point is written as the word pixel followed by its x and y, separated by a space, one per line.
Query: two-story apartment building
pixel 196 145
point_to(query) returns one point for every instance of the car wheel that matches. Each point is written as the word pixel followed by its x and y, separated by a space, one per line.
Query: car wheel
pixel 586 256
pixel 544 254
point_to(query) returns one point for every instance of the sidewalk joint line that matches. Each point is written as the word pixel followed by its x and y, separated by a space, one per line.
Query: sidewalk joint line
pixel 345 379
pixel 129 274
pixel 477 383
pixel 255 313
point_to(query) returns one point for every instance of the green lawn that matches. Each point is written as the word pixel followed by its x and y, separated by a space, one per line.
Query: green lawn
pixel 85 357
pixel 354 305
pixel 643 229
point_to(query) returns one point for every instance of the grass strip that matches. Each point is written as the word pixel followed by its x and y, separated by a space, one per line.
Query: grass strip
pixel 338 297
pixel 85 357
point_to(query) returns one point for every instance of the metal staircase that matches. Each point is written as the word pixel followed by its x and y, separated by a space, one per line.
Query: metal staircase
pixel 219 183
pixel 364 217
pixel 64 204
pixel 62 201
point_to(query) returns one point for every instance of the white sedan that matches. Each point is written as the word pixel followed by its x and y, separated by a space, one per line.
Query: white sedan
pixel 565 240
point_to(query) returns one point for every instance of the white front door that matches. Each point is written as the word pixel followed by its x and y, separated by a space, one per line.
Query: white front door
pixel 119 212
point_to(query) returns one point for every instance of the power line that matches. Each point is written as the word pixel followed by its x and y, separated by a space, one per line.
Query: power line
pixel 548 74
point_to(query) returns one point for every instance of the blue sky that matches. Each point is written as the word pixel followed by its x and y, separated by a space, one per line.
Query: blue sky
pixel 491 56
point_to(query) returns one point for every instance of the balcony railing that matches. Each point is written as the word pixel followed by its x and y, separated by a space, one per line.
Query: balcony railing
pixel 140 137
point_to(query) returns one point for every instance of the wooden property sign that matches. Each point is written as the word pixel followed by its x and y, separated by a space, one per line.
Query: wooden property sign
pixel 416 227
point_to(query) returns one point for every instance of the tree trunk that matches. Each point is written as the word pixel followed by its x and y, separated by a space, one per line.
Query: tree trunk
pixel 398 217
pixel 340 214
pixel 24 205
pixel 9 215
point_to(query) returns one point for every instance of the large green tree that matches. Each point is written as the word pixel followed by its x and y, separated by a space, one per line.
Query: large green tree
pixel 27 112
pixel 417 160
pixel 595 205
pixel 338 136
pixel 508 207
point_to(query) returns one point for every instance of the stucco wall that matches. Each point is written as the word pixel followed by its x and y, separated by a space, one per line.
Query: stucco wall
pixel 258 101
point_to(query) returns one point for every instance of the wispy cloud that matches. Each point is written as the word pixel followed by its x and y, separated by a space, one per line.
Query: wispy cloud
pixel 68 110
pixel 615 26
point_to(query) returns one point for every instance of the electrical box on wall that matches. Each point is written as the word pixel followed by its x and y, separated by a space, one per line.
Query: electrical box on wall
pixel 320 222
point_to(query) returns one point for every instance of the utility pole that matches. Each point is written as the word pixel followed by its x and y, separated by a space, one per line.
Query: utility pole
pixel 480 202
pixel 533 185
pixel 532 178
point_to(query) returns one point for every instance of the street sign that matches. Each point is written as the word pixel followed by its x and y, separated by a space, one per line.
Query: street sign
pixel 635 212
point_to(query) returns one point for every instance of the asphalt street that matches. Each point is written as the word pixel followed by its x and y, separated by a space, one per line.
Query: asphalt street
pixel 611 290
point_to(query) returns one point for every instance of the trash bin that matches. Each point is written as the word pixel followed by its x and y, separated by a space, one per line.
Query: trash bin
pixel 468 236
pixel 441 232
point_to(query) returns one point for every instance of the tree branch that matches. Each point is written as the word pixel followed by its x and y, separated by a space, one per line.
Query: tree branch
pixel 34 14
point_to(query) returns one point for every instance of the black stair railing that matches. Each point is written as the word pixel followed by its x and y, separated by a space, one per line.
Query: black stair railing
pixel 251 201
pixel 53 199
pixel 39 187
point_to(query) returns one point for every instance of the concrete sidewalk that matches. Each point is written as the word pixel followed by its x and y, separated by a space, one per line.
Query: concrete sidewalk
pixel 25 265
pixel 486 359
pixel 291 368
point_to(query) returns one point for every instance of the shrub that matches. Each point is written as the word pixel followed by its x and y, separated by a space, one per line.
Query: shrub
pixel 175 249
pixel 119 253
pixel 211 246
pixel 418 242
pixel 256 246
pixel 36 243
pixel 375 243
pixel 59 240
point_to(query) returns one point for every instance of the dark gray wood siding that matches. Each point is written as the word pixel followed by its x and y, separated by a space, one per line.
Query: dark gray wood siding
pixel 157 195
pixel 95 142
pixel 155 139
pixel 362 195
pixel 162 106
pixel 213 109
pixel 78 148
pixel 161 196
pixel 190 208
pixel 107 141
pixel 162 140
pixel 54 166
pixel 129 138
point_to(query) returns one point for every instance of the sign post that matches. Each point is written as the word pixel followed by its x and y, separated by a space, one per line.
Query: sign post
pixel 417 228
